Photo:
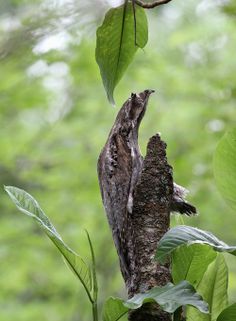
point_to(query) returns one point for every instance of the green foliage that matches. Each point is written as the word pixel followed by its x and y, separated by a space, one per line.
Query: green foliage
pixel 228 314
pixel 200 265
pixel 213 288
pixel 118 39
pixel 225 167
pixel 29 206
pixel 94 279
pixel 181 235
pixel 189 262
pixel 113 309
pixel 170 297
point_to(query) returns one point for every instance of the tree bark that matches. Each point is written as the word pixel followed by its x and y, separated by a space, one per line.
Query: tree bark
pixel 138 196
pixel 151 216
pixel 150 220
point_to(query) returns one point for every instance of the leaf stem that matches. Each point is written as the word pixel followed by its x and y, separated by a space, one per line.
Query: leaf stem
pixel 95 285
pixel 95 311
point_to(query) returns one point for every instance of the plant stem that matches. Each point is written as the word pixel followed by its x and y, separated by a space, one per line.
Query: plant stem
pixel 95 285
pixel 95 311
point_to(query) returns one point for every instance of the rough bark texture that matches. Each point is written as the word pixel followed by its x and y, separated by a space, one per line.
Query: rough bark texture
pixel 153 195
pixel 149 312
pixel 138 196
pixel 151 217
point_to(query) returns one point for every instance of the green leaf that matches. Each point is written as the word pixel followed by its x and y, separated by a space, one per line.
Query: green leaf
pixel 170 297
pixel 190 262
pixel 213 288
pixel 95 285
pixel 116 46
pixel 224 166
pixel 228 314
pixel 113 309
pixel 29 206
pixel 183 234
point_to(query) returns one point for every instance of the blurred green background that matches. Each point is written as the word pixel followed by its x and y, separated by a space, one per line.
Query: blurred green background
pixel 54 120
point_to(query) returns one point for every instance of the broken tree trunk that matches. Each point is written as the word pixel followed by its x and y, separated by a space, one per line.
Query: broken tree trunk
pixel 153 194
pixel 138 195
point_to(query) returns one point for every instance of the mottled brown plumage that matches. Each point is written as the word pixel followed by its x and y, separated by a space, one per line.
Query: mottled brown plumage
pixel 119 166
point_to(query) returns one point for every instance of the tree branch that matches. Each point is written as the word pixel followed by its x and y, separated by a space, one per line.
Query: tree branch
pixel 151 5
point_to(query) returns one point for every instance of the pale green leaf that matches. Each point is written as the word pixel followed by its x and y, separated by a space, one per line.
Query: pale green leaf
pixel 183 234
pixel 28 205
pixel 225 167
pixel 170 297
pixel 228 314
pixel 190 262
pixel 113 309
pixel 213 288
pixel 116 46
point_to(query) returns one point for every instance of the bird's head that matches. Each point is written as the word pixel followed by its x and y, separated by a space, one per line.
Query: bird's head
pixel 134 108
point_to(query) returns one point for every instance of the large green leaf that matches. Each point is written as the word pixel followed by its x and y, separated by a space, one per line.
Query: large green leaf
pixel 116 46
pixel 28 205
pixel 190 262
pixel 213 288
pixel 183 234
pixel 113 309
pixel 170 297
pixel 225 167
pixel 228 314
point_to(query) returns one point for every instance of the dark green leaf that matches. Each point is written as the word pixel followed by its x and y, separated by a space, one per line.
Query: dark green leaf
pixel 225 167
pixel 190 262
pixel 213 288
pixel 170 297
pixel 28 205
pixel 228 314
pixel 183 234
pixel 116 46
pixel 113 309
